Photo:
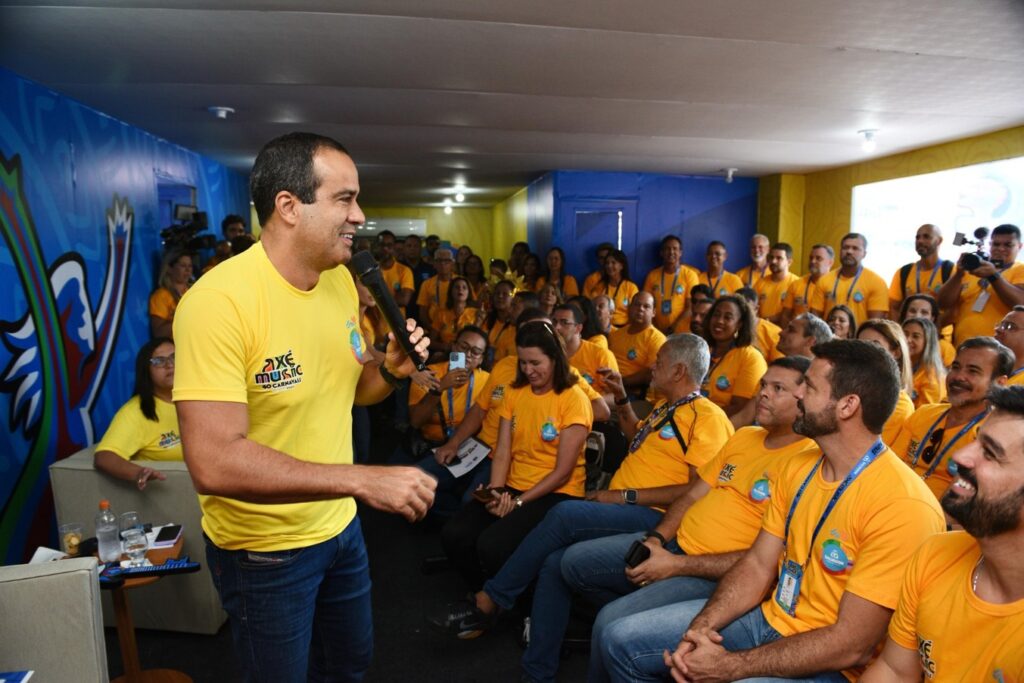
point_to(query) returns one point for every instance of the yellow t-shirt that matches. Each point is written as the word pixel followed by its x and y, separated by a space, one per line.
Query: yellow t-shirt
pixel 448 325
pixel 927 388
pixel 766 339
pixel 1015 379
pixel 738 373
pixel 591 282
pixel 869 293
pixel 537 423
pixel 957 635
pixel 635 352
pixel 726 283
pixel 916 428
pixel 599 340
pixel 454 409
pixel 772 295
pixel 621 294
pixel 588 358
pixel 569 287
pixel 399 277
pixel 162 304
pixel 742 477
pixel 433 295
pixel 502 339
pixel 499 382
pixel 751 276
pixel 930 282
pixel 132 435
pixel 900 414
pixel 803 296
pixel 864 545
pixel 948 352
pixel 293 358
pixel 967 322
pixel 660 461
pixel 671 292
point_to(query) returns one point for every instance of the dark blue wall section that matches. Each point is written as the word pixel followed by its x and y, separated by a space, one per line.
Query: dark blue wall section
pixel 697 209
pixel 80 223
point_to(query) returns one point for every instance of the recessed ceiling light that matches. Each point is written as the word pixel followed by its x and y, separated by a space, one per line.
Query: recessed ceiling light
pixel 869 144
pixel 220 112
pixel 448 210
pixel 459 197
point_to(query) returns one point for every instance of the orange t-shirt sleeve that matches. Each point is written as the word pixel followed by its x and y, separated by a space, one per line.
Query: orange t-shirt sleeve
pixel 749 373
pixel 903 626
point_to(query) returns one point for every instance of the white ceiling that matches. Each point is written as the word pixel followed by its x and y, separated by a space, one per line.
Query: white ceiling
pixel 496 93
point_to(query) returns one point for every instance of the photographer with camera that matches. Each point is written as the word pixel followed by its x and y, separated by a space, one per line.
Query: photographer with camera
pixel 984 287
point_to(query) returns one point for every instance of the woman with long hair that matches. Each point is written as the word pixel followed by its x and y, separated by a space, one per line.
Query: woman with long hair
pixel 555 274
pixel 889 336
pixel 462 254
pixel 459 310
pixel 842 321
pixel 925 361
pixel 925 306
pixel 146 427
pixel 175 279
pixel 531 272
pixel 591 328
pixel 498 323
pixel 736 364
pixel 616 285
pixel 516 257
pixel 549 297
pixel 536 465
pixel 473 271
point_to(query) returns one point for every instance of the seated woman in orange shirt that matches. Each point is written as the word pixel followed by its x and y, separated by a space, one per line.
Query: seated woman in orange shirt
pixel 175 279
pixel 925 361
pixel 592 331
pixel 556 275
pixel 616 285
pixel 536 465
pixel 549 298
pixel 925 306
pixel 498 323
pixel 842 321
pixel 474 274
pixel 889 336
pixel 531 273
pixel 460 309
pixel 736 364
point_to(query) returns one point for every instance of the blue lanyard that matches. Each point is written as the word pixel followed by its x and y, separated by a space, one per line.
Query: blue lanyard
pixel 750 275
pixel 1016 372
pixel 938 458
pixel 675 281
pixel 714 287
pixel 853 284
pixel 861 465
pixel 451 404
pixel 935 271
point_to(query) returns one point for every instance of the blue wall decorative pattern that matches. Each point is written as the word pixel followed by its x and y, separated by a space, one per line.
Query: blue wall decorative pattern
pixel 80 227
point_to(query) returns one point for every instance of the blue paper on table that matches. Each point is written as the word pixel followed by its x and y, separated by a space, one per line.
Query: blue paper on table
pixel 15 676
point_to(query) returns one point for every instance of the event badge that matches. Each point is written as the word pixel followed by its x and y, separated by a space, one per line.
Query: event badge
pixel 788 591
pixel 666 307
pixel 979 303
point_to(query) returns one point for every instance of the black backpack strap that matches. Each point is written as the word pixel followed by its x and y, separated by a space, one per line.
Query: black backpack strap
pixel 904 273
pixel 947 270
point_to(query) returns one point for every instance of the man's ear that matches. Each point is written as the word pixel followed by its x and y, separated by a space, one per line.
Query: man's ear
pixel 847 406
pixel 288 207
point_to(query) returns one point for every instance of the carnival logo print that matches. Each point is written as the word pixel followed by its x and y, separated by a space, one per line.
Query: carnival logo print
pixel 279 372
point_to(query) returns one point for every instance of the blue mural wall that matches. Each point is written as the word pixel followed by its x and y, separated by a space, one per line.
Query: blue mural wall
pixel 80 223
pixel 566 209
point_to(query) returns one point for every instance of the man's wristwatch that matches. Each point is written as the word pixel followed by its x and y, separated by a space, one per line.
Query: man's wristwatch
pixel 629 496
pixel 995 276
pixel 518 502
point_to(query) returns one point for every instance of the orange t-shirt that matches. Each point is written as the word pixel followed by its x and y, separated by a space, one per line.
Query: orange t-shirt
pixel 726 283
pixel 803 296
pixel 448 325
pixel 454 412
pixel 862 294
pixel 569 287
pixel 671 292
pixel 915 429
pixel 772 295
pixel 738 373
pixel 635 352
pixel 588 358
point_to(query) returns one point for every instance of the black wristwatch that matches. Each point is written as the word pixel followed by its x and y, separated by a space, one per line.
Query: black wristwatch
pixel 992 278
pixel 654 534
pixel 622 401
pixel 388 377
pixel 630 496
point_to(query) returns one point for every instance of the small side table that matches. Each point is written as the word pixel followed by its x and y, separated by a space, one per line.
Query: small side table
pixel 133 672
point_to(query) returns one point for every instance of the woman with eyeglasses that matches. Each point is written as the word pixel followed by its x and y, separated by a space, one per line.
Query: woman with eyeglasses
pixel 925 361
pixel 536 464
pixel 889 336
pixel 146 427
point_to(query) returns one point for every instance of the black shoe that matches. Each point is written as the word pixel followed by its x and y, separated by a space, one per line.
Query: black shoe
pixel 464 620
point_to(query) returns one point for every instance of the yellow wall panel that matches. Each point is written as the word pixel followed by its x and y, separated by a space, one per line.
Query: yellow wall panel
pixel 509 223
pixel 464 226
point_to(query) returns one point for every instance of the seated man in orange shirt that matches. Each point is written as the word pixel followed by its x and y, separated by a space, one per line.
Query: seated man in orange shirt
pixel 1010 333
pixel 586 357
pixel 636 344
pixel 960 615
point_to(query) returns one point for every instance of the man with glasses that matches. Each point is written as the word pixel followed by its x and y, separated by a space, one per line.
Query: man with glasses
pixel 935 431
pixel 1010 333
pixel 397 276
pixel 980 298
pixel 587 357
pixel 636 345
pixel 434 292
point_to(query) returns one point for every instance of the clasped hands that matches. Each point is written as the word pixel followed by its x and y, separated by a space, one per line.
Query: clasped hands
pixel 699 658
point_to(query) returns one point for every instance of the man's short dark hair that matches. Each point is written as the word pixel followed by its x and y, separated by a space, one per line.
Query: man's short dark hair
pixel 747 293
pixel 385 233
pixel 1007 229
pixel 715 243
pixel 285 164
pixel 783 246
pixel 531 313
pixel 528 299
pixel 1008 399
pixel 433 237
pixel 855 236
pixel 413 237
pixel 1005 358
pixel 669 238
pixel 797 363
pixel 577 314
pixel 866 370
pixel 702 289
pixel 231 219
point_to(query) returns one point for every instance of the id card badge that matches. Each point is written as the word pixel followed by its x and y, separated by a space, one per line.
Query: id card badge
pixel 788 591
pixel 979 303
pixel 666 307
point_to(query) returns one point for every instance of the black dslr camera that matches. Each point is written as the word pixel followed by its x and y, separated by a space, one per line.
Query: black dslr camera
pixel 185 236
pixel 969 261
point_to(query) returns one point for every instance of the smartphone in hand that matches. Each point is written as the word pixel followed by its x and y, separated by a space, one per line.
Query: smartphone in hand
pixel 456 361
pixel 637 554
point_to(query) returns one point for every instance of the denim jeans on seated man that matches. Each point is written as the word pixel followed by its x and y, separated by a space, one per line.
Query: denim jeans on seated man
pixel 539 557
pixel 292 588
pixel 632 648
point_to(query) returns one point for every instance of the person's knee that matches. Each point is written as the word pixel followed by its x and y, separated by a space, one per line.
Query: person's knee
pixel 575 558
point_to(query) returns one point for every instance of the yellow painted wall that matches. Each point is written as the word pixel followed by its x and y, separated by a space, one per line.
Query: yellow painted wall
pixel 780 212
pixel 464 226
pixel 509 223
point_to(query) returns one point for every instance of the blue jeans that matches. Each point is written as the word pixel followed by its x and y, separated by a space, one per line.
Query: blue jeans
pixel 451 493
pixel 539 556
pixel 632 647
pixel 301 614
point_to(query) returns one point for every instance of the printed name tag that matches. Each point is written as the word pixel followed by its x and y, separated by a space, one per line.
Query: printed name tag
pixel 788 591
pixel 979 303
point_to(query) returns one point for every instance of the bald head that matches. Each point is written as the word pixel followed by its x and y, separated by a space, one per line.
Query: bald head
pixel 927 241
pixel 641 309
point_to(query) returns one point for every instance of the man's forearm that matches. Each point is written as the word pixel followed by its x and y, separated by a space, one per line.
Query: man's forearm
pixel 740 590
pixel 799 655
pixel 713 566
pixel 1010 294
pixel 372 387
pixel 469 426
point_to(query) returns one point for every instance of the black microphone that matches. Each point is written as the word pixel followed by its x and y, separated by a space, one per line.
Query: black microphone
pixel 368 271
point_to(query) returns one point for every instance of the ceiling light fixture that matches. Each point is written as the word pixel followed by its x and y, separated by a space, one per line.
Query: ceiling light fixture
pixel 869 144
pixel 221 112
pixel 448 211
pixel 459 197
pixel 729 173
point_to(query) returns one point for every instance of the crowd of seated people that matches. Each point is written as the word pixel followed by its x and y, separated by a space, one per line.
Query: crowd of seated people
pixel 778 448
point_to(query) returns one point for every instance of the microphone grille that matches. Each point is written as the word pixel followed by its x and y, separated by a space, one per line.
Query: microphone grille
pixel 363 262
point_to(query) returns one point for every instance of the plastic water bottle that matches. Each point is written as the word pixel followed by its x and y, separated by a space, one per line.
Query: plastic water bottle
pixel 107 536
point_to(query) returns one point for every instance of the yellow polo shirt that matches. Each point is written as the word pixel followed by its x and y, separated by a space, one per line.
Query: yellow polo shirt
pixel 621 294
pixel 738 373
pixel 433 295
pixel 928 388
pixel 726 283
pixel 588 358
pixel 803 296
pixel 906 445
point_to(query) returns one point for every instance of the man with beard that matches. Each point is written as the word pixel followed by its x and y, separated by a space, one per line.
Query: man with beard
pixel 758 268
pixel 830 555
pixel 961 611
pixel 925 276
pixel 1010 331
pixel 935 431
pixel 804 291
pixel 773 288
pixel 861 290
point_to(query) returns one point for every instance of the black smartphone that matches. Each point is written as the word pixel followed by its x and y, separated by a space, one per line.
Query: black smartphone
pixel 168 534
pixel 637 554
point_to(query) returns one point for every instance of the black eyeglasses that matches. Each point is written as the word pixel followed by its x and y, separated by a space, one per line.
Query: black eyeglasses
pixel 933 445
pixel 470 351
pixel 160 361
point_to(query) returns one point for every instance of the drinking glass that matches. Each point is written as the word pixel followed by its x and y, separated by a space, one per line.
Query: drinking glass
pixel 70 538
pixel 130 520
pixel 135 546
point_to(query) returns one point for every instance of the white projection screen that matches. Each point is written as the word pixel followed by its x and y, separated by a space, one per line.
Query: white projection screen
pixel 962 199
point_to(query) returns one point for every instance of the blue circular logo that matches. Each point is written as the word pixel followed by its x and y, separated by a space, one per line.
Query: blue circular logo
pixel 355 340
pixel 952 468
pixel 631 354
pixel 625 301
pixel 667 432
pixel 782 297
pixel 666 307
pixel 590 380
pixel 722 382
pixel 679 289
pixel 833 557
pixel 548 432
pixel 858 297
pixel 760 491
pixel 398 286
